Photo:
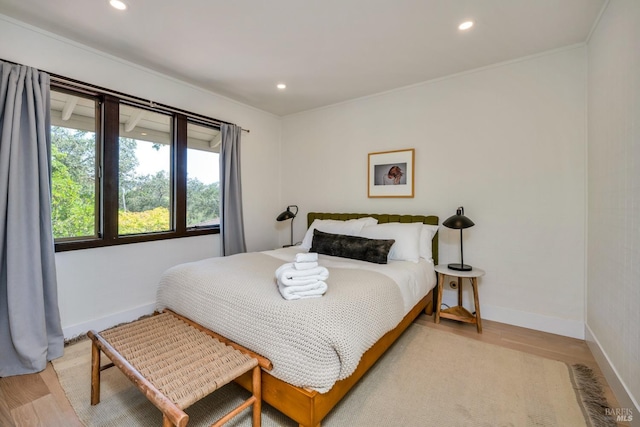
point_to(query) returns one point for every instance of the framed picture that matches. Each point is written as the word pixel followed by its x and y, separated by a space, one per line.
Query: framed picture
pixel 391 173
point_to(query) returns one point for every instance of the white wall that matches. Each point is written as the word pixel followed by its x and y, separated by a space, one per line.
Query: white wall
pixel 613 292
pixel 507 142
pixel 99 287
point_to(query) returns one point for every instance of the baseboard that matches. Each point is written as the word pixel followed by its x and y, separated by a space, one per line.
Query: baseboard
pixel 539 322
pixel 107 321
pixel 626 401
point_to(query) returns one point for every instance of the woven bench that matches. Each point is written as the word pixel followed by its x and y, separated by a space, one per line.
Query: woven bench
pixel 175 362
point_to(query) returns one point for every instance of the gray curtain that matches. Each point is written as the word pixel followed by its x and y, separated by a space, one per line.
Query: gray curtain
pixel 231 219
pixel 30 329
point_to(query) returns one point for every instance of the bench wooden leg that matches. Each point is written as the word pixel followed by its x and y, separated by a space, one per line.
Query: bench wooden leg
pixel 166 422
pixel 255 400
pixel 95 374
pixel 257 393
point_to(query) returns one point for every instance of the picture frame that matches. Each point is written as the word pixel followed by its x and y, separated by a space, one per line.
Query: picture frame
pixel 391 173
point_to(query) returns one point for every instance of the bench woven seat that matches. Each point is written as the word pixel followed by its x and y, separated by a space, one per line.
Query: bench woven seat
pixel 174 364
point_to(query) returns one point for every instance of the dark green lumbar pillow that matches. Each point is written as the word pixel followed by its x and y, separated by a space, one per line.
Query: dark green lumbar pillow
pixel 354 247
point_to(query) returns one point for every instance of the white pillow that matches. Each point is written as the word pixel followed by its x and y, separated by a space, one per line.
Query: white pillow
pixel 406 236
pixel 349 227
pixel 426 237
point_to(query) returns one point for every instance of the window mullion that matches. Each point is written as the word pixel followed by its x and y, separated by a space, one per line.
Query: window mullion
pixel 110 168
pixel 180 174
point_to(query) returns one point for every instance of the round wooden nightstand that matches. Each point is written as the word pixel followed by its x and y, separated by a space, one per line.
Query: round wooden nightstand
pixel 458 312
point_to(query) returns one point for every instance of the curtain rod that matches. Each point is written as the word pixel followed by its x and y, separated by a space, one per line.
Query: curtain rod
pixel 91 89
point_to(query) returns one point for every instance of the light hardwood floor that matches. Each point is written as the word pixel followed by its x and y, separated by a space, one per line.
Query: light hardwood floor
pixel 38 400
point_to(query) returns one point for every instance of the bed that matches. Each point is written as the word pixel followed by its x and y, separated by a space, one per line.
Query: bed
pixel 319 347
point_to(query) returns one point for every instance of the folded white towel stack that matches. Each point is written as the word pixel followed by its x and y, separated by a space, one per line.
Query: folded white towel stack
pixel 303 278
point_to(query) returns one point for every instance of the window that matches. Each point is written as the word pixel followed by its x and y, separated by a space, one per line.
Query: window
pixel 144 176
pixel 125 171
pixel 74 166
pixel 203 176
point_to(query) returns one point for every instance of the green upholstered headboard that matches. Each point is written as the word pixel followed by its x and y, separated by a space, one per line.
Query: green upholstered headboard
pixel 382 218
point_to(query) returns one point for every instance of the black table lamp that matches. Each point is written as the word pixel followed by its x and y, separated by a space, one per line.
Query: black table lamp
pixel 459 222
pixel 288 215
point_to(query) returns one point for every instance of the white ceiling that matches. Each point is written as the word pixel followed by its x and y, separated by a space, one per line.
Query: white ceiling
pixel 325 51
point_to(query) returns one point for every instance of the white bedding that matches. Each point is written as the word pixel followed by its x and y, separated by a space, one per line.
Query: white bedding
pixel 312 342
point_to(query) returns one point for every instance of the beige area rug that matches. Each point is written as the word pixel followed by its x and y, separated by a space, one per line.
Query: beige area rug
pixel 428 378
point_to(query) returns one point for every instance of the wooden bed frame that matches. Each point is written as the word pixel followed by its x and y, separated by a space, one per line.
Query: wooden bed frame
pixel 309 407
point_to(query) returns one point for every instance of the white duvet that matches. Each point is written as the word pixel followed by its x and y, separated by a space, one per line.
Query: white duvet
pixel 311 342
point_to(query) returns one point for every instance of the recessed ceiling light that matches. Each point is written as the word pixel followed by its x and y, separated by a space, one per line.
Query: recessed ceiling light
pixel 281 86
pixel 465 25
pixel 118 4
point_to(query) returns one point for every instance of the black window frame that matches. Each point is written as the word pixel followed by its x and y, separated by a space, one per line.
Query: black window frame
pixel 107 157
